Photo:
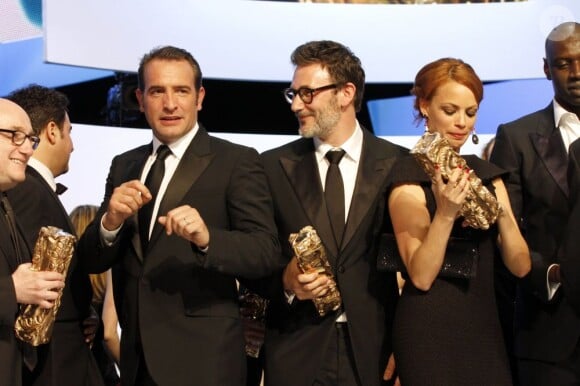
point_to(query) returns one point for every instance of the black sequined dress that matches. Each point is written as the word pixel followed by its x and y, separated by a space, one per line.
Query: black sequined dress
pixel 451 334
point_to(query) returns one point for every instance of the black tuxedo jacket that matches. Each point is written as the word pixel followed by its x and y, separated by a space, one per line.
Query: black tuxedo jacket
pixel 10 354
pixel 66 359
pixel 570 254
pixel 181 303
pixel 296 337
pixel 531 149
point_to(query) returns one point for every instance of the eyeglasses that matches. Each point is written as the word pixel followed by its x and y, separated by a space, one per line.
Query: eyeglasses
pixel 305 93
pixel 18 138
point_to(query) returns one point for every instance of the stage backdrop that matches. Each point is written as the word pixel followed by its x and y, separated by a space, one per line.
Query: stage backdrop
pixel 252 40
pixel 95 147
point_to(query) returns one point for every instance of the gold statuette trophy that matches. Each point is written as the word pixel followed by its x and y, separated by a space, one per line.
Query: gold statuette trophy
pixel 253 312
pixel 480 209
pixel 53 252
pixel 311 256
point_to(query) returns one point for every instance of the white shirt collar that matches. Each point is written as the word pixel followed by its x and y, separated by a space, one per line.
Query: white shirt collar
pixel 352 146
pixel 44 171
pixel 178 147
pixel 568 124
pixel 559 111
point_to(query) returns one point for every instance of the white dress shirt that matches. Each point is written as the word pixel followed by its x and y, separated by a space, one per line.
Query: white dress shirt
pixel 348 169
pixel 569 127
pixel 568 124
pixel 348 164
pixel 44 171
pixel 178 149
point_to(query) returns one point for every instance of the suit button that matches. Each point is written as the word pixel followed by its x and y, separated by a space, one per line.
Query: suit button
pixel 341 269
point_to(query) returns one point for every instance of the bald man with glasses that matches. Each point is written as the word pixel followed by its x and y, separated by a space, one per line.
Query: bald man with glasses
pixel 37 204
pixel 18 283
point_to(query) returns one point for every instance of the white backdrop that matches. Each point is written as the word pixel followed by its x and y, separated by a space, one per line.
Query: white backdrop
pixel 95 147
pixel 252 40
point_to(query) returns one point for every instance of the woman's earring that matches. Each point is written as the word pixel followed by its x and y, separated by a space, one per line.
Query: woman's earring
pixel 474 137
pixel 426 118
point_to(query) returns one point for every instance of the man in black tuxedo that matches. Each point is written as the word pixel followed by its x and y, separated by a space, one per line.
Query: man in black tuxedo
pixel 18 283
pixel 180 250
pixel 569 272
pixel 352 345
pixel 534 150
pixel 67 358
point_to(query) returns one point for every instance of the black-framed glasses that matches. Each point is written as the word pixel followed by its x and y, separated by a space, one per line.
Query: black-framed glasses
pixel 305 93
pixel 18 137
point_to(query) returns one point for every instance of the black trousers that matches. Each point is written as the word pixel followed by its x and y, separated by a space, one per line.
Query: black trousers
pixel 338 368
pixel 536 373
pixel 143 377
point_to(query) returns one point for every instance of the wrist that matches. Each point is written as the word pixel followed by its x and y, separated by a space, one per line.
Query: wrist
pixel 443 221
pixel 107 223
pixel 286 280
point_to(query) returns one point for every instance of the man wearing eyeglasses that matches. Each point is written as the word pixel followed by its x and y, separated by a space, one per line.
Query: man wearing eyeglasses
pixel 344 200
pixel 66 360
pixel 18 283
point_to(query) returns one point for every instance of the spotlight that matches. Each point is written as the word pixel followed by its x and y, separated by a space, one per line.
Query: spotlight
pixel 122 105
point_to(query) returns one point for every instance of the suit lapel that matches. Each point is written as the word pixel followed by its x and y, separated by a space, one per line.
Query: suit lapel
pixel 302 172
pixel 34 174
pixel 550 147
pixel 6 244
pixel 27 250
pixel 195 160
pixel 371 175
pixel 134 169
pixel 7 247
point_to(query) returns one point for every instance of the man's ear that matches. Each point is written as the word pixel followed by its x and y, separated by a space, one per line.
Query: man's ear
pixel 52 132
pixel 547 69
pixel 139 96
pixel 200 96
pixel 348 93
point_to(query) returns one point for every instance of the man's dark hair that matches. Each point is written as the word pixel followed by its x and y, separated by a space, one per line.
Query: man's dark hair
pixel 42 104
pixel 169 53
pixel 340 62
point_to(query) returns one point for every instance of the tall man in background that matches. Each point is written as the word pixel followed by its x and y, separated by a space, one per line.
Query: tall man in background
pixel 568 256
pixel 184 216
pixel 352 345
pixel 534 150
pixel 18 283
pixel 67 358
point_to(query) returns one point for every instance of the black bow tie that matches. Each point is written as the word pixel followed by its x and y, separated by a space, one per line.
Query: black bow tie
pixel 60 188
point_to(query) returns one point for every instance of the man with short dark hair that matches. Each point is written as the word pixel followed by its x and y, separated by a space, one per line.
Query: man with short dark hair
pixel 344 199
pixel 183 217
pixel 19 285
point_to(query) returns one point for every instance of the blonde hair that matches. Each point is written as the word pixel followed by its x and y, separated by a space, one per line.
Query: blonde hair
pixel 81 217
